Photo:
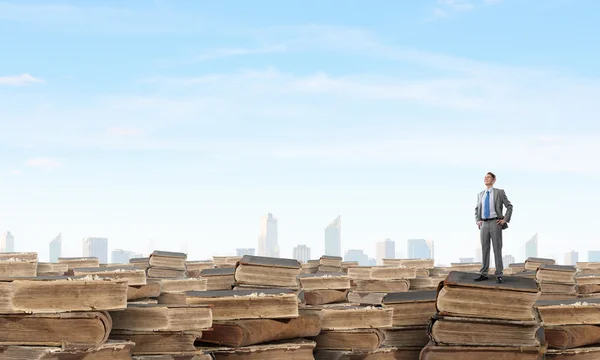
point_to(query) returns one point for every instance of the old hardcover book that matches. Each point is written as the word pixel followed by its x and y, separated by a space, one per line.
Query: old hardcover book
pixel 183 285
pixel 51 269
pixel 366 297
pixel 196 318
pixel 556 273
pixel 240 304
pixel 438 271
pixel 385 286
pixel 324 281
pixel 61 294
pixel 292 349
pixel 269 271
pixel 459 295
pixel 406 336
pixel 355 339
pixel 79 262
pixel 425 283
pixel 333 261
pixel 226 261
pixel 383 353
pixel 241 333
pixel 16 267
pixel 484 332
pixel 587 289
pixel 467 267
pixel 154 342
pixel 140 263
pixel 310 267
pixel 322 297
pixel 147 301
pixel 134 277
pixel 348 317
pixel 174 357
pixel 432 352
pixel 569 312
pixel 150 290
pixel 329 269
pixel 111 350
pixel 588 265
pixel 75 329
pixel 533 263
pixel 411 308
pixel 381 273
pixel 571 336
pixel 168 259
pixel 155 272
pixel 516 267
pixel 548 287
pixel 219 278
pixel 585 279
pixel 584 353
pixel 22 256
pixel 199 265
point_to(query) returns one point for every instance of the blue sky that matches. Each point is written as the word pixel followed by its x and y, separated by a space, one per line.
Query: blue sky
pixel 171 123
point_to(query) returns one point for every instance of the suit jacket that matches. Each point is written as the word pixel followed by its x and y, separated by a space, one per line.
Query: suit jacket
pixel 500 200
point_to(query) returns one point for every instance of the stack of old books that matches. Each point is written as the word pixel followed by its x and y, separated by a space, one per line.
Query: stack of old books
pixel 533 263
pixel 588 280
pixel 348 264
pixel 468 267
pixel 371 283
pixel 259 318
pixel 166 265
pixel 194 268
pixel 219 278
pixel 79 262
pixel 572 328
pixel 60 318
pixel 162 330
pixel 514 268
pixel 412 312
pixel 556 281
pixel 485 320
pixel 426 278
pixel 18 264
pixel 330 264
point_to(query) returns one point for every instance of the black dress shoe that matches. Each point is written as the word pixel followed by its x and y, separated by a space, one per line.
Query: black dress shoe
pixel 481 278
pixel 499 279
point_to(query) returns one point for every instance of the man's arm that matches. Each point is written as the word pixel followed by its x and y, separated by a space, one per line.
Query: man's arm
pixel 477 212
pixel 509 207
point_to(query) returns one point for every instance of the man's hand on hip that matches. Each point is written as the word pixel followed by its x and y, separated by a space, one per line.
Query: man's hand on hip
pixel 501 222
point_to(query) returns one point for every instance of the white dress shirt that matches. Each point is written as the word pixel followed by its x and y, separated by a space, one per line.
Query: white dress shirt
pixel 492 207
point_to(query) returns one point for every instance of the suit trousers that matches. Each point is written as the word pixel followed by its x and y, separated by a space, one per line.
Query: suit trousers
pixel 490 230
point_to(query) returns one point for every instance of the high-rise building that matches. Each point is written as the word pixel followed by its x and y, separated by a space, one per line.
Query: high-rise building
pixel 333 238
pixel 593 256
pixel 571 258
pixel 419 249
pixel 268 244
pixel 96 247
pixel 372 262
pixel 244 251
pixel 385 250
pixel 357 255
pixel 302 253
pixel 55 248
pixel 507 260
pixel 531 247
pixel 8 243
pixel 119 256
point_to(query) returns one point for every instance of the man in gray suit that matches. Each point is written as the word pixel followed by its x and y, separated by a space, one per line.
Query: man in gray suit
pixel 491 222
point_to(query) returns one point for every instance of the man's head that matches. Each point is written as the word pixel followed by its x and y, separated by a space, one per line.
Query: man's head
pixel 489 179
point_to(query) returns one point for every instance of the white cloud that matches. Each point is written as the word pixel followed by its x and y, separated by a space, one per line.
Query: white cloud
pixel 445 8
pixel 20 80
pixel 44 163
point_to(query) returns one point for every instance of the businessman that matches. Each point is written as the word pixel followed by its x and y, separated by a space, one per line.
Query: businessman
pixel 491 221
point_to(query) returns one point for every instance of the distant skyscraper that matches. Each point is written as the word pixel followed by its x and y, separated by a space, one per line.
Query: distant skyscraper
pixel 357 255
pixel 268 244
pixel 385 250
pixel 571 258
pixel 594 256
pixel 508 259
pixel 372 262
pixel 119 256
pixel 302 253
pixel 55 249
pixel 333 238
pixel 419 249
pixel 96 247
pixel 246 251
pixel 8 243
pixel 531 247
